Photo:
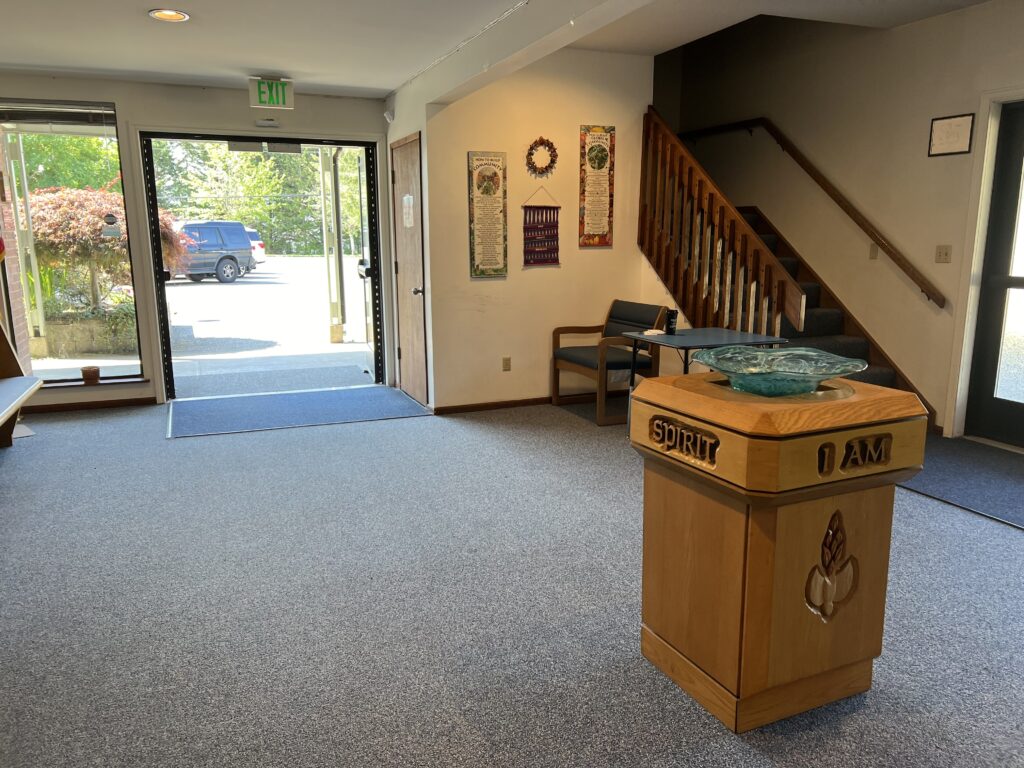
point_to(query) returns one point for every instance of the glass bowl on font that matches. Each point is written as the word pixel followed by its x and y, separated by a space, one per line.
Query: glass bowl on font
pixel 777 372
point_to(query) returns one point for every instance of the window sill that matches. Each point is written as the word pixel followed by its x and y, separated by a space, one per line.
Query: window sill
pixel 103 383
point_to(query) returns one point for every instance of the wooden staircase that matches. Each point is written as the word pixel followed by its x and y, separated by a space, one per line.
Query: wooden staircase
pixel 730 267
pixel 717 268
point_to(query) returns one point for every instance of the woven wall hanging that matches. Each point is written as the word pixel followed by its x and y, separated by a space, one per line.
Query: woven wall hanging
pixel 540 231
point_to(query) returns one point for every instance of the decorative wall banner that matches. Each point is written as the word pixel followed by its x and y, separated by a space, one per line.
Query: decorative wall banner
pixel 488 215
pixel 540 235
pixel 597 184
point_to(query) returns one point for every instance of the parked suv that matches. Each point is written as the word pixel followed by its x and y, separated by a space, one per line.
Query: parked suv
pixel 218 249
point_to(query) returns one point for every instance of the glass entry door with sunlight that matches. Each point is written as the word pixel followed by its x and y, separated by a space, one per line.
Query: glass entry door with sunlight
pixel 995 406
pixel 263 291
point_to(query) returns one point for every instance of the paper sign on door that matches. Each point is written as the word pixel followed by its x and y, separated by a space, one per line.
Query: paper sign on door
pixel 407 213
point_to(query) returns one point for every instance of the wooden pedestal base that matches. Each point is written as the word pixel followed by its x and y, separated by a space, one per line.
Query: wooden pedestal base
pixel 761 608
pixel 741 715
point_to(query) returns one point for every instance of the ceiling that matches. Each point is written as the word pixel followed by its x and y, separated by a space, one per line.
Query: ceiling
pixel 666 24
pixel 344 47
pixel 351 47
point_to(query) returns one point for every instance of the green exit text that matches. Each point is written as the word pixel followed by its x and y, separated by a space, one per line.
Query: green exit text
pixel 270 94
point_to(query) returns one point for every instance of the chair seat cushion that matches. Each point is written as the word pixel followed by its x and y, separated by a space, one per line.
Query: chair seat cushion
pixel 617 359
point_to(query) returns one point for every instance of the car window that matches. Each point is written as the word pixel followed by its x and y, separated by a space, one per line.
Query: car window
pixel 208 236
pixel 235 237
pixel 254 236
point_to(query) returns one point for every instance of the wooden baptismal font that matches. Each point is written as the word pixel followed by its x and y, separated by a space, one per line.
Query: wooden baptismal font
pixel 767 523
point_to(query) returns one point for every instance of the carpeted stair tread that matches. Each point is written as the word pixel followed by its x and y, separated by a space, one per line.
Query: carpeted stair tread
pixel 813 291
pixel 819 321
pixel 790 264
pixel 882 375
pixel 847 346
pixel 772 241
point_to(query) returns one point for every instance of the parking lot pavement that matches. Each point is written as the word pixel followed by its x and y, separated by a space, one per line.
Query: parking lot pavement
pixel 275 317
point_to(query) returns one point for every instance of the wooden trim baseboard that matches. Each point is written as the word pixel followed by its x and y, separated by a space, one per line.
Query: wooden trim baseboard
pixel 444 410
pixel 87 405
pixel 583 397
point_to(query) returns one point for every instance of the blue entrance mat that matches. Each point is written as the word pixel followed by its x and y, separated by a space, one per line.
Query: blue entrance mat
pixel 280 410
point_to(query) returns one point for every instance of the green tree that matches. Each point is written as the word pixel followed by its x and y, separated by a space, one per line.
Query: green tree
pixel 239 186
pixel 296 225
pixel 80 162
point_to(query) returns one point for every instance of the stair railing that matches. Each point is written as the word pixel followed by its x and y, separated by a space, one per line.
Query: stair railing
pixel 715 266
pixel 927 286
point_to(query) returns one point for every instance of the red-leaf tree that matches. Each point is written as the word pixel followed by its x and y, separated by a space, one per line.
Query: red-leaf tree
pixel 69 224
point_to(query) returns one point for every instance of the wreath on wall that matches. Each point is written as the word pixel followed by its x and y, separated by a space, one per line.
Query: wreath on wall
pixel 548 147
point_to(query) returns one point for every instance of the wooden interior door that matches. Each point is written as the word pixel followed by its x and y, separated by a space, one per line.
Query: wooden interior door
pixel 406 190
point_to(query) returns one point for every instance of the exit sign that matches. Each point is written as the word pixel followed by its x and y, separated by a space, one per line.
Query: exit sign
pixel 270 94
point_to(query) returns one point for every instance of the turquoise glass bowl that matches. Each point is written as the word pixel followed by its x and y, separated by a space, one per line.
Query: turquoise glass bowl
pixel 777 372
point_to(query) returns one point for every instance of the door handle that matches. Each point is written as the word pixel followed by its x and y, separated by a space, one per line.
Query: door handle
pixel 417 291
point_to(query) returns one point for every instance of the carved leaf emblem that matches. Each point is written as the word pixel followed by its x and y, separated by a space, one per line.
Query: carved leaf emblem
pixel 834 581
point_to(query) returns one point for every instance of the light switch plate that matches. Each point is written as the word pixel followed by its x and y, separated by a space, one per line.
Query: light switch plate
pixel 943 254
pixel 506 363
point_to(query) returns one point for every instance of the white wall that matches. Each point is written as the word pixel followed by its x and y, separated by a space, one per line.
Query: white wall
pixel 477 322
pixel 858 102
pixel 145 106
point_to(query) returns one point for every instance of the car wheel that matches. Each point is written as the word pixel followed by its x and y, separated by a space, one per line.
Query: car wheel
pixel 227 271
pixel 196 278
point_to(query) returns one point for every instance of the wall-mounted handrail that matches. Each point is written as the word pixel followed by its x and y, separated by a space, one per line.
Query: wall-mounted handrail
pixel 713 263
pixel 927 286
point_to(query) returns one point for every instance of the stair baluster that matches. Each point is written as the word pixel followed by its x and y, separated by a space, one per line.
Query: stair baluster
pixel 712 262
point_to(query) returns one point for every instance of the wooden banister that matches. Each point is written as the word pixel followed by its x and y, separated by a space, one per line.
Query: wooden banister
pixel 713 263
pixel 927 286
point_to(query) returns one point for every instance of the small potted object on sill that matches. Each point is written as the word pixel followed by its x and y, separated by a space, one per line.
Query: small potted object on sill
pixel 90 374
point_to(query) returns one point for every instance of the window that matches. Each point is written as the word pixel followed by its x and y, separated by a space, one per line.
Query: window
pixel 69 276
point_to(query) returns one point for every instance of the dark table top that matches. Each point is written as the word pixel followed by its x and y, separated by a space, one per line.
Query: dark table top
pixel 705 338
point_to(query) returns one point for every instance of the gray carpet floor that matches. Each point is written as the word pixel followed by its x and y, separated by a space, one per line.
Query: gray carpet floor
pixel 438 592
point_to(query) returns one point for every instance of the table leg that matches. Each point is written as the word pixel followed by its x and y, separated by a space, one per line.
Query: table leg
pixel 686 361
pixel 632 366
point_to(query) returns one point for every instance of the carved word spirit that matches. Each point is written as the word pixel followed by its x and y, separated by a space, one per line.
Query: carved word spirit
pixel 692 443
pixel 834 581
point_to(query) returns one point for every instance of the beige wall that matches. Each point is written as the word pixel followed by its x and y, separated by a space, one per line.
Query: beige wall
pixel 858 103
pixel 477 322
pixel 144 106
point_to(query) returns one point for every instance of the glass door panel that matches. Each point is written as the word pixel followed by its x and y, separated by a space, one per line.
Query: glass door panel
pixel 1010 371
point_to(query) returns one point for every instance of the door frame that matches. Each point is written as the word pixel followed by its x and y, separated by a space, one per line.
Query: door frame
pixel 987 416
pixel 146 138
pixel 392 146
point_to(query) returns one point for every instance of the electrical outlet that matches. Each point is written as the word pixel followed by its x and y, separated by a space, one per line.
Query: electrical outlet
pixel 943 254
pixel 506 363
pixel 873 251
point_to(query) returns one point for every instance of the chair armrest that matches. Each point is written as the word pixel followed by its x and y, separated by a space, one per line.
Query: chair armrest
pixel 614 341
pixel 557 333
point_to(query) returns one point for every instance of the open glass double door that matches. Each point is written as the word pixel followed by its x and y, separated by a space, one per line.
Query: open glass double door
pixel 268 264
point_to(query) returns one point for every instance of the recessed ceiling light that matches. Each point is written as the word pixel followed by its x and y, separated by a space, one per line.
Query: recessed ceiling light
pixel 168 14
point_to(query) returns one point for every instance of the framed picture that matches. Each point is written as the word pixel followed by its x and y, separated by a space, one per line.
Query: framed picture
pixel 951 135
